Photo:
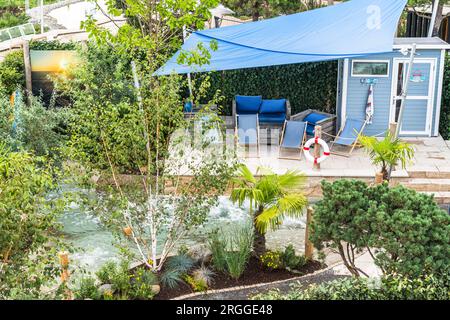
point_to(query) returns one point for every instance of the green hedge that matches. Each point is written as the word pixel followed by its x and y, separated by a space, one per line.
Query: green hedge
pixel 309 85
pixel 392 287
pixel 444 126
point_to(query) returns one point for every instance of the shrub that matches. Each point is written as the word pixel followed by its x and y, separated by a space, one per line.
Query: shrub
pixel 175 268
pixel 203 276
pixel 171 278
pixel 290 259
pixel 444 124
pixel 231 249
pixel 387 288
pixel 87 289
pixel 29 223
pixel 9 19
pixel 12 72
pixel 33 128
pixel 142 283
pixel 405 231
pixel 196 285
pixel 137 285
pixel 181 262
pixel 271 260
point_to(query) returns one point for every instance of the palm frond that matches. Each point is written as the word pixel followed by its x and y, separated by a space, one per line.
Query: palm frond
pixel 291 205
pixel 292 180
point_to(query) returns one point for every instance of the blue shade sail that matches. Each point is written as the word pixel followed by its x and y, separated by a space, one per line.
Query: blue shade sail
pixel 350 29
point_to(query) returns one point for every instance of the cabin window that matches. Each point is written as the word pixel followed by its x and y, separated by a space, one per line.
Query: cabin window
pixel 370 68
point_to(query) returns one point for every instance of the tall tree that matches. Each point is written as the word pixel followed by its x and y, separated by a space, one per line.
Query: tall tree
pixel 269 8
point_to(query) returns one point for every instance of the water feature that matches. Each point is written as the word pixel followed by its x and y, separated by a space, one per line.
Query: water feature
pixel 95 243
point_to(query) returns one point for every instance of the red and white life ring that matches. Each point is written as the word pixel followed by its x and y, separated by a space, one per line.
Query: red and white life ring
pixel 322 143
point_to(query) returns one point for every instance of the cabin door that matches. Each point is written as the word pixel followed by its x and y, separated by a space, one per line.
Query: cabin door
pixel 420 96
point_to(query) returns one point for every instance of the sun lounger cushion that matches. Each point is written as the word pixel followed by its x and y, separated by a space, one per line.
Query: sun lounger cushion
pixel 272 117
pixel 247 125
pixel 293 134
pixel 312 120
pixel 248 104
pixel 273 106
pixel 350 132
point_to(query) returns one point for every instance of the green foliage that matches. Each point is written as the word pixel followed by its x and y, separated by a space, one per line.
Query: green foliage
pixel 394 287
pixel 203 277
pixel 307 86
pixel 291 260
pixel 12 73
pixel 87 289
pixel 444 125
pixel 183 263
pixel 53 45
pixel 127 285
pixel 142 284
pixel 171 278
pixel 283 259
pixel 33 128
pixel 271 260
pixel 388 152
pixel 8 19
pixel 29 227
pixel 118 129
pixel 407 231
pixel 196 284
pixel 269 8
pixel 175 268
pixel 231 249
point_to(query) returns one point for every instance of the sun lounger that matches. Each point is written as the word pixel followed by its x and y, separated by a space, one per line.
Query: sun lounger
pixel 348 136
pixel 293 137
pixel 247 130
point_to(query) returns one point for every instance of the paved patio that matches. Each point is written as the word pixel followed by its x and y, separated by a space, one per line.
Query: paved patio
pixel 428 172
pixel 431 155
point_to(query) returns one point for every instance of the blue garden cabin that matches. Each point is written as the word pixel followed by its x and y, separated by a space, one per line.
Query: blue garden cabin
pixel 386 74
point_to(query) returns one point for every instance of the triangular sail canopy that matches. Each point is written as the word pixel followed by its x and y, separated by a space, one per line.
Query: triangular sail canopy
pixel 353 28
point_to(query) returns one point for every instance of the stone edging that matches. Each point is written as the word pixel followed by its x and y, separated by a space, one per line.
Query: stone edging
pixel 195 294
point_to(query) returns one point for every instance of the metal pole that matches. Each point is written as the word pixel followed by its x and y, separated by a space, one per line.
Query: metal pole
pixel 405 90
pixel 188 75
pixel 42 16
pixel 433 18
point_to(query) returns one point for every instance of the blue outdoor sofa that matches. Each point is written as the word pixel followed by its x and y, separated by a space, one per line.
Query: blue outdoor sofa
pixel 271 112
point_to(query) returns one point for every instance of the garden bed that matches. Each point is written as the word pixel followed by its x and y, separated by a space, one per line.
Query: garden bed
pixel 254 273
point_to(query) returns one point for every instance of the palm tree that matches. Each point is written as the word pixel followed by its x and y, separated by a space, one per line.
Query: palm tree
pixel 388 152
pixel 271 196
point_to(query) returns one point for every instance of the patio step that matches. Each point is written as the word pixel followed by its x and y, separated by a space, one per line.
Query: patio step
pixel 429 185
pixel 442 198
pixel 433 174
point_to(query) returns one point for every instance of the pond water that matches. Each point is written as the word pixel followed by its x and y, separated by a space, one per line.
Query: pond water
pixel 94 244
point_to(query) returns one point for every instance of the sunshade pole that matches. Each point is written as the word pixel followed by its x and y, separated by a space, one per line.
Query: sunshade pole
pixel 433 18
pixel 405 91
pixel 188 75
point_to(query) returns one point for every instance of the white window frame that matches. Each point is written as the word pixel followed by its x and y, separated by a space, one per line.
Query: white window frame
pixel 372 75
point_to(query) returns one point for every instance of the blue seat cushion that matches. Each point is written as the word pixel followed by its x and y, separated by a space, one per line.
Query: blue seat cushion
pixel 312 120
pixel 272 117
pixel 248 104
pixel 273 106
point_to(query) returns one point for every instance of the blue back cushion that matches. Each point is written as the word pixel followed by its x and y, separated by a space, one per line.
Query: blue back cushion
pixel 273 106
pixel 248 104
pixel 312 120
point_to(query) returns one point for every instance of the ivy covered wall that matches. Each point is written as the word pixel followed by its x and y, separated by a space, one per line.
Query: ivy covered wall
pixel 444 126
pixel 310 85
